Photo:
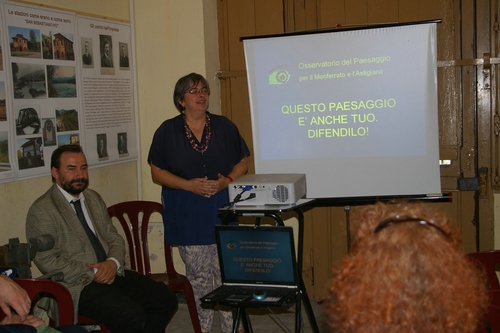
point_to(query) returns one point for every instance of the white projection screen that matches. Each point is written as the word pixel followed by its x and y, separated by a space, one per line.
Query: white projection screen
pixel 354 109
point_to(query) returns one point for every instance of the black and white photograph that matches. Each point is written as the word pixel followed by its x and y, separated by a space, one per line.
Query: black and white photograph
pixel 122 144
pixel 106 54
pixel 87 53
pixel 28 120
pixel 102 146
pixel 124 58
pixel 30 153
pixel 28 80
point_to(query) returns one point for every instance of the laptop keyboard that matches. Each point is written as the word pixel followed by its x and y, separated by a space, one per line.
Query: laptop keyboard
pixel 270 292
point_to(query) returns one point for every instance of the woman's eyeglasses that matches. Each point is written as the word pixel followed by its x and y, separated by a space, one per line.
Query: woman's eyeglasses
pixel 196 91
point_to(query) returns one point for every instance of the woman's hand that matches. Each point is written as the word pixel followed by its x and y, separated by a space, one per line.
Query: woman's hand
pixel 206 187
pixel 222 182
pixel 203 186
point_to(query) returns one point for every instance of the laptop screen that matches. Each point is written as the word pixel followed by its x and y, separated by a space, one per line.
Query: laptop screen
pixel 257 254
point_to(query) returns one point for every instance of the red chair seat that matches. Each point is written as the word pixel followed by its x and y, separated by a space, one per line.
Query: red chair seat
pixel 82 320
pixel 489 261
pixel 61 294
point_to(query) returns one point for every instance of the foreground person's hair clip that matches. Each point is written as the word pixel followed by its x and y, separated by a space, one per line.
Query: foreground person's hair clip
pixel 403 219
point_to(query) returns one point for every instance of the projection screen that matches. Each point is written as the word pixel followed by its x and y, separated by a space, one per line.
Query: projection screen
pixel 354 109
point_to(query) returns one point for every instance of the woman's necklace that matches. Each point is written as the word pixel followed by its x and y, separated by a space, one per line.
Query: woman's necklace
pixel 199 147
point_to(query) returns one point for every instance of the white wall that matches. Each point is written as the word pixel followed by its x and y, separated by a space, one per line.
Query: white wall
pixel 182 39
pixel 172 39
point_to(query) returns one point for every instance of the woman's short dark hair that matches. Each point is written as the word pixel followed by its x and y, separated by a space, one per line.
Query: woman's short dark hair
pixel 184 84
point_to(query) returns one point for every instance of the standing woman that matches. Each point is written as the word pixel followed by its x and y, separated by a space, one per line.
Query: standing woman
pixel 194 156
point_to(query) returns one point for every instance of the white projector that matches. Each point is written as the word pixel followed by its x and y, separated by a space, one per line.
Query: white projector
pixel 268 189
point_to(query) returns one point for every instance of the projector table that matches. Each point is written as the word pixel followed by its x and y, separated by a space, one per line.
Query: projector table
pixel 274 211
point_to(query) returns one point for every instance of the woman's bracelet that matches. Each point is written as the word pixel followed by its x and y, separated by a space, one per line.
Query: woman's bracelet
pixel 230 179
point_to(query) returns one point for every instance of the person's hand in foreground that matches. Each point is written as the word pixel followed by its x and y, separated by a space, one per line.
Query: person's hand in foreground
pixel 13 296
pixel 29 320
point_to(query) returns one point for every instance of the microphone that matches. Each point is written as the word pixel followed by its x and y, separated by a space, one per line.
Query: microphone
pixel 41 243
pixel 19 255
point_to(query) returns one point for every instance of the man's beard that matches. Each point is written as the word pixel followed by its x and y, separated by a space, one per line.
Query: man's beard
pixel 72 189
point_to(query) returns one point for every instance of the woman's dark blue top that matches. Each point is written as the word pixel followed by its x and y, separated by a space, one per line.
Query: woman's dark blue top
pixel 190 218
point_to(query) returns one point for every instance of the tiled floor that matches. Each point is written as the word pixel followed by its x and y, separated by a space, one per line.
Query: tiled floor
pixel 266 320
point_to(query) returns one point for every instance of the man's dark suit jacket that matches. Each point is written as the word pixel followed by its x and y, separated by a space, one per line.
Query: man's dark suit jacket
pixel 87 59
pixel 106 61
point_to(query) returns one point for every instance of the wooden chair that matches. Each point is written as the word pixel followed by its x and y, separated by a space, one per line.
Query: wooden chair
pixel 489 262
pixel 61 294
pixel 491 321
pixel 134 218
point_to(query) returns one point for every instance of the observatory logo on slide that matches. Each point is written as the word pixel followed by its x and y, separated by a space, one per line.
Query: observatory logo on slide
pixel 279 76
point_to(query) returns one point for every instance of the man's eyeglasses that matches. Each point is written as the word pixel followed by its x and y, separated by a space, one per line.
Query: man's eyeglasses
pixel 196 91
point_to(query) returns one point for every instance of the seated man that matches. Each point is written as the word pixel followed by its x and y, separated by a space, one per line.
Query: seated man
pixel 91 254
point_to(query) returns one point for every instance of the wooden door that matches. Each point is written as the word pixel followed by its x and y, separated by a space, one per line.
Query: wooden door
pixel 467 95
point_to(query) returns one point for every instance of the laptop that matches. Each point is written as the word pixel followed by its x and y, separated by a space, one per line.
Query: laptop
pixel 258 266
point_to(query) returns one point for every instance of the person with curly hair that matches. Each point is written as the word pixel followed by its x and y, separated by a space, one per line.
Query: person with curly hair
pixel 406 273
